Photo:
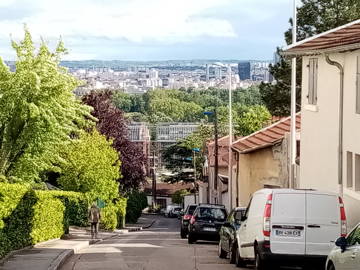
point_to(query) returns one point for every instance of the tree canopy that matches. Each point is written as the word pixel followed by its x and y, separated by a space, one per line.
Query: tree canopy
pixel 112 123
pixel 38 111
pixel 314 17
pixel 90 165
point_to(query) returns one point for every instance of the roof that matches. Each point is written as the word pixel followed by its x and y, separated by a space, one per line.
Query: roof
pixel 267 136
pixel 166 189
pixel 343 38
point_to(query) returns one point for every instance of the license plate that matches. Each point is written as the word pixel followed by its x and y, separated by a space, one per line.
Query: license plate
pixel 208 229
pixel 288 233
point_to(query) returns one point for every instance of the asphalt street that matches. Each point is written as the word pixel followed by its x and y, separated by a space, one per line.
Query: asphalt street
pixel 157 248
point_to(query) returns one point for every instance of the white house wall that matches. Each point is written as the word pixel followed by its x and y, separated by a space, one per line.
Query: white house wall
pixel 319 129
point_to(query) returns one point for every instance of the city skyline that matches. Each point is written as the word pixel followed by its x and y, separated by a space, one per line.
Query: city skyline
pixel 153 30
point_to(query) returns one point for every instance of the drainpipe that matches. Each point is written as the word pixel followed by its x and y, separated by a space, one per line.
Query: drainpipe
pixel 341 123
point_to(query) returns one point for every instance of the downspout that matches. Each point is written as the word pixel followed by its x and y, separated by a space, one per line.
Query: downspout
pixel 341 123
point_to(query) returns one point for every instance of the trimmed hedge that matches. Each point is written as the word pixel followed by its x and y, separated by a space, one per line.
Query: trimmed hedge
pixel 30 216
pixel 137 201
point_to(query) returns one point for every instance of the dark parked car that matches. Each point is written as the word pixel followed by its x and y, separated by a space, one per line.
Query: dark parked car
pixel 185 219
pixel 206 222
pixel 227 243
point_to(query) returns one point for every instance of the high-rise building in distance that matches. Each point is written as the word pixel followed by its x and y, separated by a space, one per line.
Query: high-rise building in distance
pixel 244 70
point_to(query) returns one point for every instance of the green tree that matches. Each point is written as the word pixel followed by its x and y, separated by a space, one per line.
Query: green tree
pixel 178 196
pixel 314 17
pixel 90 165
pixel 38 111
pixel 250 119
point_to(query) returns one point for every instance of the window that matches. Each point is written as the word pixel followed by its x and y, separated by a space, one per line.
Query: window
pixel 357 172
pixel 358 85
pixel 349 169
pixel 313 74
pixel 354 237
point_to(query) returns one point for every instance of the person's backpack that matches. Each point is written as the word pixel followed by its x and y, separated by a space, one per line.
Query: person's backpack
pixel 94 214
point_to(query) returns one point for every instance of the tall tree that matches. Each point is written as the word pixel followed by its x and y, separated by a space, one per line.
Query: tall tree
pixel 38 111
pixel 314 17
pixel 90 165
pixel 112 123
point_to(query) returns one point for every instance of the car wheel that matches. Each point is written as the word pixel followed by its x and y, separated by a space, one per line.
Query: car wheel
pixel 259 262
pixel 239 262
pixel 222 253
pixel 191 238
pixel 183 234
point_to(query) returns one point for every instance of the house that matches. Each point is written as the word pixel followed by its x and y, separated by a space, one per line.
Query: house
pixel 262 160
pixel 217 193
pixel 330 111
pixel 164 192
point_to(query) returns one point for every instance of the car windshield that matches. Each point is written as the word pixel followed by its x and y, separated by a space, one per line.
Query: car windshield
pixel 212 213
pixel 191 209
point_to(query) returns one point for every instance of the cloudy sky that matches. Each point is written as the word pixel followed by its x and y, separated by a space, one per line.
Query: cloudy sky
pixel 150 29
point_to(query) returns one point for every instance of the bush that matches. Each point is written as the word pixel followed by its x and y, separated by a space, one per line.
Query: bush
pixel 109 217
pixel 136 202
pixel 30 216
pixel 121 212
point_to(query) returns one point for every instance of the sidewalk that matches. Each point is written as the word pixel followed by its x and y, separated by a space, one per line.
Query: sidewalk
pixel 50 255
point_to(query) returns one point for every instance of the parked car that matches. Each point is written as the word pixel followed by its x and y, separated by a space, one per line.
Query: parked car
pixel 169 208
pixel 227 243
pixel 291 226
pixel 185 219
pixel 346 254
pixel 175 212
pixel 206 222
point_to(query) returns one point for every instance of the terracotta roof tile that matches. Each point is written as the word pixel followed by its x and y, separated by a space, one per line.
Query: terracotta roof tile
pixel 267 136
pixel 335 39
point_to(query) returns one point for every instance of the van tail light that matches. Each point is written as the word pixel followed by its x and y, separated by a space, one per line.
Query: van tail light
pixel 343 218
pixel 267 216
pixel 187 217
pixel 192 220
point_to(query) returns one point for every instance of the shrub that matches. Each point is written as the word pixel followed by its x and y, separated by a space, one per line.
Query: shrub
pixel 109 217
pixel 136 202
pixel 121 212
pixel 30 216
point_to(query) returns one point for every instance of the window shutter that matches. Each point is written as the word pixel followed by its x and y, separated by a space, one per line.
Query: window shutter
pixel 358 86
pixel 313 73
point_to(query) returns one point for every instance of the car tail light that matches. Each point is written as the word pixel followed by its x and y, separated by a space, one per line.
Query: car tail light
pixel 343 218
pixel 192 220
pixel 187 217
pixel 267 216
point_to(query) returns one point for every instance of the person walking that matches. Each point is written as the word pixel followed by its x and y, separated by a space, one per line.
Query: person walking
pixel 94 219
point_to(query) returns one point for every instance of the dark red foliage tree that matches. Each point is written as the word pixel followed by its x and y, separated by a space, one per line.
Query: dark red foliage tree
pixel 113 125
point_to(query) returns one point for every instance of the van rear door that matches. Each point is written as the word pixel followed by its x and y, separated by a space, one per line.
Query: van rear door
pixel 288 223
pixel 323 224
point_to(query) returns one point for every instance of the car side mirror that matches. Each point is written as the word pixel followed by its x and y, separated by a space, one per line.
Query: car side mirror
pixel 342 243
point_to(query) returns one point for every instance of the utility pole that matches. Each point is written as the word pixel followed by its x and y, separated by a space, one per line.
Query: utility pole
pixel 154 176
pixel 194 161
pixel 216 155
pixel 230 139
pixel 292 183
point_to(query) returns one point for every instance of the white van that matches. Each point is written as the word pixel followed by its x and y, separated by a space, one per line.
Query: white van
pixel 282 224
pixel 169 209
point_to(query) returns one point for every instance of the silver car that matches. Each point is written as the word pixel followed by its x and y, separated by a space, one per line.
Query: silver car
pixel 346 254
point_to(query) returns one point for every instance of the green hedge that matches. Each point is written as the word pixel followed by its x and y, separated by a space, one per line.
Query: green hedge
pixel 136 202
pixel 30 216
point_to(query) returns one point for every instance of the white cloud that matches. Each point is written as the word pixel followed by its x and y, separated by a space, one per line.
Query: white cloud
pixel 133 20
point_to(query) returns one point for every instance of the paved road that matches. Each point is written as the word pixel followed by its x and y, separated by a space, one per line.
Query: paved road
pixel 157 248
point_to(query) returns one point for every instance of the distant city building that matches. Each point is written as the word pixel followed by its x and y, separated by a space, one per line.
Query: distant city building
pixel 244 70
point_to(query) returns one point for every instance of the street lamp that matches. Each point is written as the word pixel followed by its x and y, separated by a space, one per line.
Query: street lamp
pixel 195 150
pixel 216 150
pixel 228 66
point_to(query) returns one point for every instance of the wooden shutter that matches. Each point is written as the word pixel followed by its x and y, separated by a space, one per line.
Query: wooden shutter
pixel 358 86
pixel 313 74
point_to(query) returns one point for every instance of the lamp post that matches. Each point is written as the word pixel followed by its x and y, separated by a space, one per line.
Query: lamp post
pixel 229 71
pixel 195 150
pixel 216 151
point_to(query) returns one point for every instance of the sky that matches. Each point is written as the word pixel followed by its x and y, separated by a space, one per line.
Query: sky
pixel 145 30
